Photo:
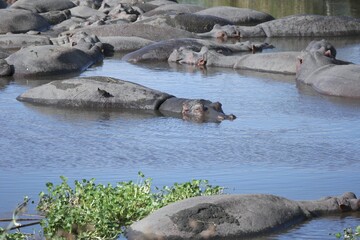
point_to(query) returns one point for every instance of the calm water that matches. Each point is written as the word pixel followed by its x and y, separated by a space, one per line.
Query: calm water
pixel 287 139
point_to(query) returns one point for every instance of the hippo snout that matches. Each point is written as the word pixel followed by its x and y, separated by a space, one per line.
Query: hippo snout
pixel 226 117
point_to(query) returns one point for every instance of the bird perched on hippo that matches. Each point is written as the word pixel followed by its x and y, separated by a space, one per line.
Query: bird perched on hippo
pixel 110 93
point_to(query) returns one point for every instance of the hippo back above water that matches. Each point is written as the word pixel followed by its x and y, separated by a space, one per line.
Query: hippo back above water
pixel 240 216
pixel 106 92
pixel 306 25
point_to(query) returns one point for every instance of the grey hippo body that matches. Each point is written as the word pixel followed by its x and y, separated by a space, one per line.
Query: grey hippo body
pixel 106 92
pixel 150 32
pixel 187 21
pixel 277 62
pixel 295 26
pixel 239 16
pixel 21 21
pixel 273 62
pixel 234 216
pixel 50 59
pixel 161 51
pixel 328 75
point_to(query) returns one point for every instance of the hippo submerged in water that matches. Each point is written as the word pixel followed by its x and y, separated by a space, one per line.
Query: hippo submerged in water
pixel 106 92
pixel 295 25
pixel 274 62
pixel 328 75
pixel 161 51
pixel 234 216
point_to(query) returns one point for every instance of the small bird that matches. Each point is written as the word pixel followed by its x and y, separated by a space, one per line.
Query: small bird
pixel 105 93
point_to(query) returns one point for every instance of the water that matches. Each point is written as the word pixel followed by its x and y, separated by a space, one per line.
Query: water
pixel 287 139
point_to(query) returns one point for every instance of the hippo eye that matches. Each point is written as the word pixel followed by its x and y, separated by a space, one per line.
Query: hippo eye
pixel 205 108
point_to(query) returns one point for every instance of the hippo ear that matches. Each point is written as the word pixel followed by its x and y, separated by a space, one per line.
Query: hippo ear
pixel 217 106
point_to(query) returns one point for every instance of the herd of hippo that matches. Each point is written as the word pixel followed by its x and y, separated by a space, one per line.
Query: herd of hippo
pixel 58 37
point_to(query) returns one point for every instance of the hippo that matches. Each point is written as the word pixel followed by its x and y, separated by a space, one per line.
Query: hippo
pixel 328 75
pixel 86 12
pixel 172 8
pixel 50 59
pixel 160 51
pixel 236 216
pixel 56 17
pixel 123 44
pixel 273 62
pixel 95 4
pixel 278 62
pixel 221 32
pixel 17 41
pixel 41 6
pixel 111 93
pixel 239 16
pixel 21 21
pixel 111 44
pixel 296 25
pixel 153 33
pixel 187 21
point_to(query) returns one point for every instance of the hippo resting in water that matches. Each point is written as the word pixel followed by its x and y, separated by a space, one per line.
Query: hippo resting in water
pixel 161 51
pixel 50 59
pixel 295 25
pixel 275 62
pixel 234 216
pixel 328 75
pixel 106 92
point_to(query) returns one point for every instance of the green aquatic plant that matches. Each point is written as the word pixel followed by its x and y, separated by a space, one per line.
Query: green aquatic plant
pixel 349 234
pixel 96 211
pixel 4 235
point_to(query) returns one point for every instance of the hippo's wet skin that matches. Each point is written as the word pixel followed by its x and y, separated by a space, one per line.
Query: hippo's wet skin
pixel 274 62
pixel 106 92
pixel 328 75
pixel 295 25
pixel 234 216
pixel 161 51
pixel 50 59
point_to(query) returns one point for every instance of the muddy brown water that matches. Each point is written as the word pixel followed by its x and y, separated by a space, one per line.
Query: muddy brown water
pixel 287 140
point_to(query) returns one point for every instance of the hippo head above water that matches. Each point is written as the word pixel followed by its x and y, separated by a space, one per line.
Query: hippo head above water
pixel 196 110
pixel 184 55
pixel 348 202
pixel 204 110
pixel 316 55
pixel 221 32
pixel 110 93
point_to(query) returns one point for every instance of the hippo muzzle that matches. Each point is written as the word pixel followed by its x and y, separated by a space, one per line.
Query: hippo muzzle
pixel 204 111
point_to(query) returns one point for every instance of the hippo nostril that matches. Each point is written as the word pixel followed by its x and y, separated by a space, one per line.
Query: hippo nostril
pixel 344 207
